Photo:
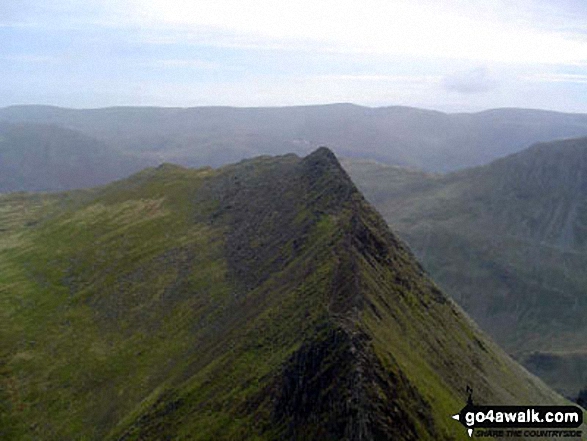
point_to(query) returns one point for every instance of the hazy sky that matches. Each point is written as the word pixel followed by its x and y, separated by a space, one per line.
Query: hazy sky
pixel 447 55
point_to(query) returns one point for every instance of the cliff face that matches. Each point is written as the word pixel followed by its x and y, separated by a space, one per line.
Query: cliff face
pixel 264 300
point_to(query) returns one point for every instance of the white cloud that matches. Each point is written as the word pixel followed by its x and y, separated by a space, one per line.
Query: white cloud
pixel 374 52
pixel 185 63
pixel 398 79
pixel 457 30
pixel 27 58
pixel 557 78
pixel 496 31
pixel 477 80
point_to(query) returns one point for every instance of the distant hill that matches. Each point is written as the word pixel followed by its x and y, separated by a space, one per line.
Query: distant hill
pixel 509 242
pixel 263 300
pixel 39 157
pixel 213 136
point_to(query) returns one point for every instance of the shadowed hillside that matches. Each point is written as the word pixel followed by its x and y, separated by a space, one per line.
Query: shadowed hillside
pixel 509 242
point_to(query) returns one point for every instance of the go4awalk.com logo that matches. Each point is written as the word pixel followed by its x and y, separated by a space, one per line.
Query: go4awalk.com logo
pixel 520 421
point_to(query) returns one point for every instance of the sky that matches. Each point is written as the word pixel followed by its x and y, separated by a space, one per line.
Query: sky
pixel 453 56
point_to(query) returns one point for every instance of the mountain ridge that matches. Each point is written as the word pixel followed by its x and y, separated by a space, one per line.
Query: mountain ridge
pixel 262 300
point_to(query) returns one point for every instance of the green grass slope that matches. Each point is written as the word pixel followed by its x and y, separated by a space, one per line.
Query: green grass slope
pixel 264 300
pixel 509 242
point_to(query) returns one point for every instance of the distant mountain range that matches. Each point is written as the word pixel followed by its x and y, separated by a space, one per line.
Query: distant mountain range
pixel 213 136
pixel 38 157
pixel 263 300
pixel 509 242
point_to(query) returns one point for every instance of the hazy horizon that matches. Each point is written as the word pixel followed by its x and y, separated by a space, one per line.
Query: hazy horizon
pixel 146 106
pixel 454 57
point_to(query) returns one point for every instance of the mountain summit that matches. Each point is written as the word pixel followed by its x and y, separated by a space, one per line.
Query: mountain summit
pixel 262 300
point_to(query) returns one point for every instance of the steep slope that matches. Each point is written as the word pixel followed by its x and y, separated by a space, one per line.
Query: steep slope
pixel 264 300
pixel 509 242
pixel 213 136
pixel 38 157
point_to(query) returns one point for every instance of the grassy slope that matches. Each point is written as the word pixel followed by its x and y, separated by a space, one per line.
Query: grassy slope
pixel 210 304
pixel 508 242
